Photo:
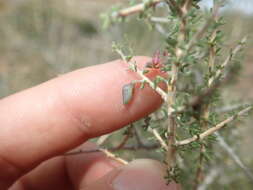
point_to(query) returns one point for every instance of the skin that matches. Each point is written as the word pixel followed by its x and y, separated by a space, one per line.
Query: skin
pixel 40 124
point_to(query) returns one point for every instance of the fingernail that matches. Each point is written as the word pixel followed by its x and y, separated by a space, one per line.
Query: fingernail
pixel 143 174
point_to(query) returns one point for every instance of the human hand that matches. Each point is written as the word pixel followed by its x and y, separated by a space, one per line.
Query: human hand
pixel 40 124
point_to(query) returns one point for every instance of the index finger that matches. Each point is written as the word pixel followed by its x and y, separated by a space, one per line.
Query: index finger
pixel 54 117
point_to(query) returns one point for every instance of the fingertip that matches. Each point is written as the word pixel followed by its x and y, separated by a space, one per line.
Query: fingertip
pixel 84 169
pixel 143 174
pixel 100 103
pixel 76 106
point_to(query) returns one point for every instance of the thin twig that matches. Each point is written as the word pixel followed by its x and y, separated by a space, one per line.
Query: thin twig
pixel 211 176
pixel 133 147
pixel 159 19
pixel 212 130
pixel 112 156
pixel 136 8
pixel 228 59
pixel 205 111
pixel 140 146
pixel 142 6
pixel 105 151
pixel 161 30
pixel 233 155
pixel 229 108
pixel 101 140
pixel 159 138
pixel 199 34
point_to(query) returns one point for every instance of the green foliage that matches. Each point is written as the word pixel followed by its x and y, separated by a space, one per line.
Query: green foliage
pixel 199 37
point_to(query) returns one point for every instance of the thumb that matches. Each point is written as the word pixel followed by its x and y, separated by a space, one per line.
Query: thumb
pixel 143 174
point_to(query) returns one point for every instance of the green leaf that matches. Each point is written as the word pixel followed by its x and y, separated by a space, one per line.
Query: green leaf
pixel 171 42
pixel 127 92
pixel 129 57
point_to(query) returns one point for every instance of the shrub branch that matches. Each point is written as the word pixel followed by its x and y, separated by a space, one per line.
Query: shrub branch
pixel 137 8
pixel 212 130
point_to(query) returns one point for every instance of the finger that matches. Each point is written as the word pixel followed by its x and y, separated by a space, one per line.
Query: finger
pixel 58 115
pixel 49 175
pixel 68 172
pixel 84 169
pixel 140 174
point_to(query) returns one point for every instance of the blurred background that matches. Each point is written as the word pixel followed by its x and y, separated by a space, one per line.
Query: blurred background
pixel 42 39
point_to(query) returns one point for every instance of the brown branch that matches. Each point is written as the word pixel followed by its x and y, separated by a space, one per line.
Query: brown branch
pixel 139 147
pixel 114 149
pixel 105 151
pixel 159 139
pixel 102 139
pixel 172 86
pixel 212 130
pixel 231 55
pixel 114 157
pixel 205 108
pixel 141 7
pixel 136 8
